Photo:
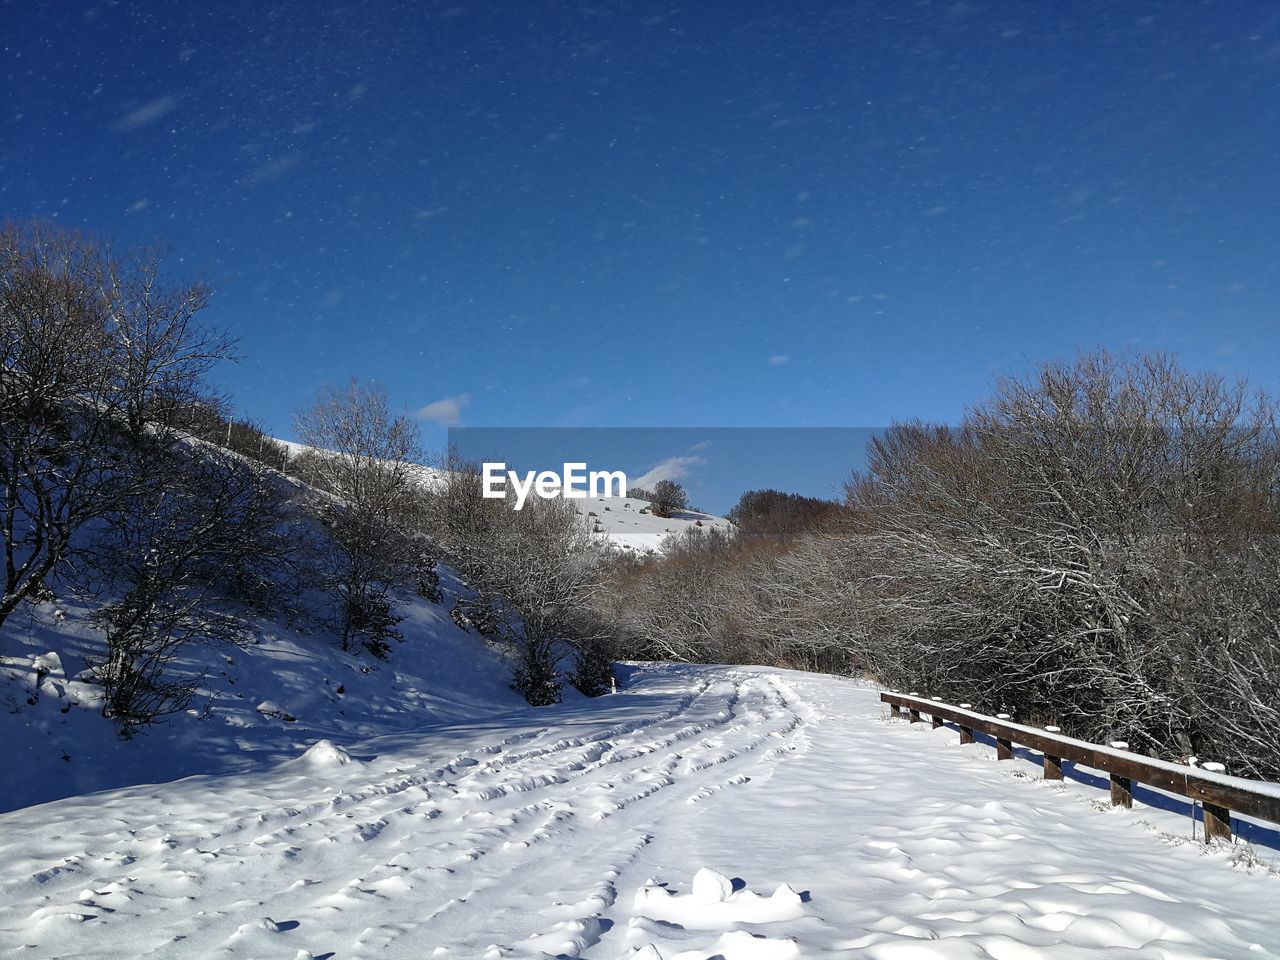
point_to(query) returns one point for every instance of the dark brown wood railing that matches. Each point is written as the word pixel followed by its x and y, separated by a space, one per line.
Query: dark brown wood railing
pixel 1219 794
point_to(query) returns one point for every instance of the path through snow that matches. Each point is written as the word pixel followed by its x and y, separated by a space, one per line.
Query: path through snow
pixel 581 831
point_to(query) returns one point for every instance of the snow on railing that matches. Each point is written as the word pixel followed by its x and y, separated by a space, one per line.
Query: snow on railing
pixel 1218 793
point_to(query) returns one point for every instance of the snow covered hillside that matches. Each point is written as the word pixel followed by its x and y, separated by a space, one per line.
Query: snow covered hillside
pixel 630 525
pixel 262 702
pixel 700 812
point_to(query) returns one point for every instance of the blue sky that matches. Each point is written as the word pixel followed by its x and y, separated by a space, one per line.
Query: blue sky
pixel 647 214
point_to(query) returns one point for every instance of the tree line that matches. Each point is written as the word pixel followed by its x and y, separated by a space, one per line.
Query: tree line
pixel 1093 546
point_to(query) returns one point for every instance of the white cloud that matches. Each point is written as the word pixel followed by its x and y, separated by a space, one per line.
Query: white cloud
pixel 446 412
pixel 147 113
pixel 778 359
pixel 672 468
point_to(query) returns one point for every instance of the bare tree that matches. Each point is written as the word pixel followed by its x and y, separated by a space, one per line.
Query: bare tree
pixel 361 451
pixel 162 351
pixel 535 571
pixel 88 345
pixel 1086 548
pixel 199 533
pixel 363 455
pixel 668 498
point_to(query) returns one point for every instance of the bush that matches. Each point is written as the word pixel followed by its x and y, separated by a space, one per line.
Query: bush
pixel 1087 548
pixel 474 614
pixel 179 549
pixel 536 677
pixel 367 617
pixel 593 673
pixel 668 498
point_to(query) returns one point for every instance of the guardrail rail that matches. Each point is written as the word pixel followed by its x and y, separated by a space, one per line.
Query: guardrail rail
pixel 1219 794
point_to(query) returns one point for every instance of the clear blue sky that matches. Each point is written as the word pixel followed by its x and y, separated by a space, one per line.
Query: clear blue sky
pixel 708 214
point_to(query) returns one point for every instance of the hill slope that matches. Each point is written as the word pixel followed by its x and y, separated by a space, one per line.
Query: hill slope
pixel 629 524
pixel 263 702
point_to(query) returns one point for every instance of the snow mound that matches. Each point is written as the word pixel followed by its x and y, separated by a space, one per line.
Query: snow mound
pixel 325 753
pixel 48 664
pixel 741 945
pixel 712 903
pixel 711 887
pixel 264 925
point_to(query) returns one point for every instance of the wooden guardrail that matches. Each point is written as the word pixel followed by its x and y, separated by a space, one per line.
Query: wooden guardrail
pixel 1219 794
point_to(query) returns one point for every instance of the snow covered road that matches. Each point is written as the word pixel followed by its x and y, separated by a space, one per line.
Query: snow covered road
pixel 578 831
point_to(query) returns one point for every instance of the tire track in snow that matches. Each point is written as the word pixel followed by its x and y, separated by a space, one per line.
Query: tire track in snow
pixel 575 923
pixel 411 843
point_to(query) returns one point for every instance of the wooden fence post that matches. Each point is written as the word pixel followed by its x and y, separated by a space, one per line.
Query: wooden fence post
pixel 937 720
pixel 1052 764
pixel 913 715
pixel 895 711
pixel 1121 787
pixel 1004 746
pixel 1217 823
pixel 966 733
pixel 1217 818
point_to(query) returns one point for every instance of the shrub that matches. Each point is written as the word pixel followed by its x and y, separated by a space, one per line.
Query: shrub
pixel 668 498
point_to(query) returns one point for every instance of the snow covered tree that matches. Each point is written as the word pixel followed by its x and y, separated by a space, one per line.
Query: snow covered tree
pixel 1086 547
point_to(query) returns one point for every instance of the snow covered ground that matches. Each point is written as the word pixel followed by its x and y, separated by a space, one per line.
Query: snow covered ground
pixel 700 812
pixel 630 525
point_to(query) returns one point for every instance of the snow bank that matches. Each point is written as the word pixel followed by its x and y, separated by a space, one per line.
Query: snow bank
pixel 255 705
pixel 325 753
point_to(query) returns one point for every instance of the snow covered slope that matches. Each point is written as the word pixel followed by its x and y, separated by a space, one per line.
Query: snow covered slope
pixel 701 812
pixel 262 702
pixel 630 525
